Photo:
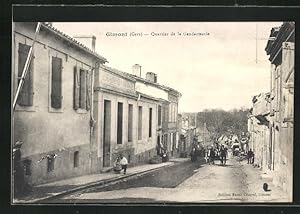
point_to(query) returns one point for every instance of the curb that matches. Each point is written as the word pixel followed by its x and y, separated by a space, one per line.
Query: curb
pixel 94 184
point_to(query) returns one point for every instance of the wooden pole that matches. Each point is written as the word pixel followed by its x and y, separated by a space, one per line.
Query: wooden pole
pixel 26 66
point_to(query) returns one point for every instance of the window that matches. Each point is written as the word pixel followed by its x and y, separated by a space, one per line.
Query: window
pixel 164 114
pixel 175 112
pixel 159 116
pixel 130 120
pixel 150 122
pixel 56 84
pixel 27 167
pixel 140 123
pixel 170 112
pixel 76 159
pixel 50 163
pixel 120 123
pixel 26 94
pixel 82 89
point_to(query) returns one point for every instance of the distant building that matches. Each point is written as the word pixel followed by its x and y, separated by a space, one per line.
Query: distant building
pixel 258 127
pixel 168 99
pixel 203 135
pixel 187 135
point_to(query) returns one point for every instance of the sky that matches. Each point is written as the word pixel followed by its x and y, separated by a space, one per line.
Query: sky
pixel 222 66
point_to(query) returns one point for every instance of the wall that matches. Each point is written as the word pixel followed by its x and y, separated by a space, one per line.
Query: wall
pixel 283 91
pixel 43 129
pixel 116 88
pixel 145 148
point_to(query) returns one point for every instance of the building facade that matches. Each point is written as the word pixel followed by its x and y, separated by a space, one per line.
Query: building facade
pixel 273 117
pixel 75 115
pixel 258 127
pixel 187 136
pixel 55 102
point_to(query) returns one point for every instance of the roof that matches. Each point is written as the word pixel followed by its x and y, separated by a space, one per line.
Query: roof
pixel 140 79
pixel 119 73
pixel 54 30
pixel 147 96
pixel 163 87
pixel 278 35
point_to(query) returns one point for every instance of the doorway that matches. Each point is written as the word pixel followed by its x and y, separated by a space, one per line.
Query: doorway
pixel 106 133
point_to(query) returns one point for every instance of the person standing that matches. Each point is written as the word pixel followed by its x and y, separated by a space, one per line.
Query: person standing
pixel 252 158
pixel 223 155
pixel 212 155
pixel 124 163
pixel 249 156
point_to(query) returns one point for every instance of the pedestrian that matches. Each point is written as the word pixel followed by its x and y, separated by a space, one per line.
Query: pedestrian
pixel 252 159
pixel 124 163
pixel 212 155
pixel 193 154
pixel 117 165
pixel 223 155
pixel 249 156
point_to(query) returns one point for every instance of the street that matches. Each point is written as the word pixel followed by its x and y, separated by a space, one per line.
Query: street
pixel 185 182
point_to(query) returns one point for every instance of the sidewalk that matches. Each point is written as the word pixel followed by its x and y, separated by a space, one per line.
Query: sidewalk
pixel 45 191
pixel 256 179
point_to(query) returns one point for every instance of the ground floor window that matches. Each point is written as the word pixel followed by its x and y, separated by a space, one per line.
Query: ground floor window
pixel 50 163
pixel 76 159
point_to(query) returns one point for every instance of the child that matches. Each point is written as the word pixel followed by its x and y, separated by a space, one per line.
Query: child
pixel 124 163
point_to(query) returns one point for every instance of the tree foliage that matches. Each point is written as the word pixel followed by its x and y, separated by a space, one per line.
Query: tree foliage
pixel 220 122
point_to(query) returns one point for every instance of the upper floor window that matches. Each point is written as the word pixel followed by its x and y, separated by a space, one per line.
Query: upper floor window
pixel 26 94
pixel 159 115
pixel 56 83
pixel 82 89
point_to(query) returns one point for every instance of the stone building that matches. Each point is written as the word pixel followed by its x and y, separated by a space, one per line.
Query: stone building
pixel 271 122
pixel 53 113
pixel 75 115
pixel 282 53
pixel 258 127
pixel 167 109
pixel 127 119
pixel 203 134
pixel 187 136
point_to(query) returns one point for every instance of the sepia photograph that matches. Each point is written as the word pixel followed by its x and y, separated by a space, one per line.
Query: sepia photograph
pixel 152 112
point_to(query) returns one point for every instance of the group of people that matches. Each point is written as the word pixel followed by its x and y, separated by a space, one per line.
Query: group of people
pixel 216 153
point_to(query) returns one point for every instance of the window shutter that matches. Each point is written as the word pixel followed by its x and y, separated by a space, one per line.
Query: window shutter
pixel 26 94
pixel 56 92
pixel 287 68
pixel 82 98
pixel 76 88
pixel 89 90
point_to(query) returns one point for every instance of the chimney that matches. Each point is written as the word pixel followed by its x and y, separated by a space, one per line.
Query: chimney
pixel 93 43
pixel 49 23
pixel 151 77
pixel 89 41
pixel 137 70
